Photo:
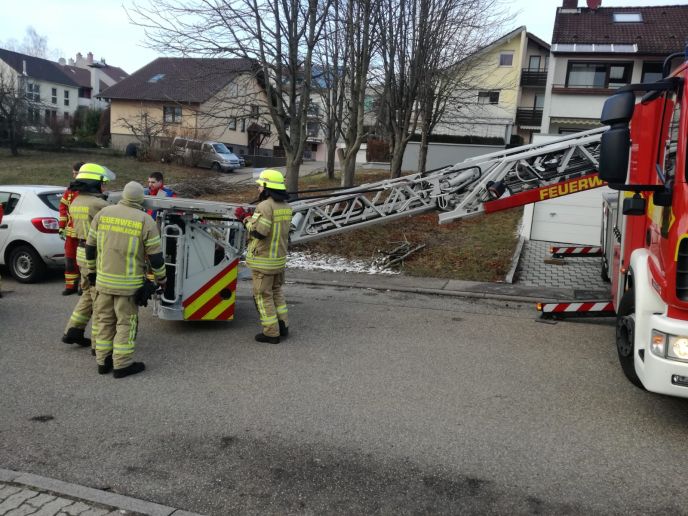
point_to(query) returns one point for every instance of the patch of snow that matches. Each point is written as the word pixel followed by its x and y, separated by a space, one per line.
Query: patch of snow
pixel 332 263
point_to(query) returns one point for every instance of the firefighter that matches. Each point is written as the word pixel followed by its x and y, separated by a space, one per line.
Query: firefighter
pixel 122 237
pixel 89 183
pixel 268 234
pixel 66 225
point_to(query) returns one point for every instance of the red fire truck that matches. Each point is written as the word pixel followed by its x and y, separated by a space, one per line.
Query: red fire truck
pixel 643 156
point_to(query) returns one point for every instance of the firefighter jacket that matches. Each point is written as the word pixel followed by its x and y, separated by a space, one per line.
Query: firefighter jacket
pixel 82 209
pixel 65 222
pixel 272 220
pixel 120 239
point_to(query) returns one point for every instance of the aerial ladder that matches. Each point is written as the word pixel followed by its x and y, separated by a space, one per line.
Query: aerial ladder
pixel 203 241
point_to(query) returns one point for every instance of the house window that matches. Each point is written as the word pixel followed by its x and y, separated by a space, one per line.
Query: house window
pixel 66 118
pixel 33 92
pixel 312 129
pixel 54 95
pixel 652 72
pixel 534 63
pixel 598 75
pixel 34 115
pixel 488 97
pixel 506 59
pixel 268 127
pixel 243 125
pixel 66 97
pixel 84 93
pixel 627 17
pixel 50 116
pixel 254 111
pixel 232 124
pixel 172 114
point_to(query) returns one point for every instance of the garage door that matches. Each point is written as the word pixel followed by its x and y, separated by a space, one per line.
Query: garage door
pixel 573 219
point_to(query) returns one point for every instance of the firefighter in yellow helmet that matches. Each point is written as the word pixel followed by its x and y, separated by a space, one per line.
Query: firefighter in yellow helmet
pixel 89 183
pixel 122 238
pixel 266 255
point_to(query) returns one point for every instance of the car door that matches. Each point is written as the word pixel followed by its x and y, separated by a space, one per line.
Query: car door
pixel 9 201
pixel 207 155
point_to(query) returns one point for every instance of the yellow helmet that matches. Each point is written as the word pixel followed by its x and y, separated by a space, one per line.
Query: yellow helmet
pixel 95 172
pixel 270 178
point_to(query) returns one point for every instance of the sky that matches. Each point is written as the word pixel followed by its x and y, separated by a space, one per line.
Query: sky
pixel 104 28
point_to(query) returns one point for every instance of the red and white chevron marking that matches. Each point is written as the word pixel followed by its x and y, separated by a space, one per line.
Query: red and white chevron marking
pixel 589 307
pixel 574 251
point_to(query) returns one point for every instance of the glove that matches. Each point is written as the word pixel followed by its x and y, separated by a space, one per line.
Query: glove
pixel 92 279
pixel 62 233
pixel 242 214
pixel 144 293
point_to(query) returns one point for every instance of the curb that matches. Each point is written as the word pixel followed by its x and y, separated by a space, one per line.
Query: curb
pixel 116 501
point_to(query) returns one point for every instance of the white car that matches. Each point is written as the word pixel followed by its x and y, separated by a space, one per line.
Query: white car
pixel 29 240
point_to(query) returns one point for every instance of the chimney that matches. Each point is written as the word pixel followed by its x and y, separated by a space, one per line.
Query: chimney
pixel 62 61
pixel 71 62
pixel 570 4
pixel 89 58
pixel 24 67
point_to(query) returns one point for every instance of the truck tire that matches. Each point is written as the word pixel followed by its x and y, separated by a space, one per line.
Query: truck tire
pixel 625 330
pixel 26 265
pixel 216 167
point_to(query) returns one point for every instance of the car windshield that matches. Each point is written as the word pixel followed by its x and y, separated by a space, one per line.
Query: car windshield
pixel 220 148
pixel 51 200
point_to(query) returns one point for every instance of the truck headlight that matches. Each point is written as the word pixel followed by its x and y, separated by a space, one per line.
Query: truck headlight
pixel 658 343
pixel 669 346
pixel 678 347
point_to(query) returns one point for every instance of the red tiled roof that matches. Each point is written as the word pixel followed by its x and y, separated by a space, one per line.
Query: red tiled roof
pixel 179 79
pixel 664 29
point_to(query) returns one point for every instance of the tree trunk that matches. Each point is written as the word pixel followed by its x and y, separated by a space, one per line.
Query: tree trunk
pixel 331 156
pixel 349 168
pixel 397 157
pixel 292 178
pixel 14 144
pixel 423 151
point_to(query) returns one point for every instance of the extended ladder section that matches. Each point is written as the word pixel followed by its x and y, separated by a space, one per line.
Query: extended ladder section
pixel 485 183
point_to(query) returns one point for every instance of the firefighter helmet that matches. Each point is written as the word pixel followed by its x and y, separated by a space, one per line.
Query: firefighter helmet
pixel 270 178
pixel 95 172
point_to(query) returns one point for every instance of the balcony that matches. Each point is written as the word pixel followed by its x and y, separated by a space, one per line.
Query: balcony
pixel 533 77
pixel 528 116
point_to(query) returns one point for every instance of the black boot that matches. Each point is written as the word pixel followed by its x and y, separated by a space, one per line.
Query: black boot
pixel 69 291
pixel 134 368
pixel 76 336
pixel 261 337
pixel 106 367
pixel 284 329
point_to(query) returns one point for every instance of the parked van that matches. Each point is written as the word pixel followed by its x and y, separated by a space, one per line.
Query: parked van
pixel 208 154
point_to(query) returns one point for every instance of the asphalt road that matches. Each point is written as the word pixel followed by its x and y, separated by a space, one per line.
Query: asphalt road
pixel 379 402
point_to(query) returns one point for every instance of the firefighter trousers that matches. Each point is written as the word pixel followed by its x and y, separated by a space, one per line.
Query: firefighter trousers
pixel 117 318
pixel 84 307
pixel 71 272
pixel 270 302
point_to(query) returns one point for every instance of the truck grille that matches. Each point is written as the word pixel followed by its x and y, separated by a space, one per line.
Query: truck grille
pixel 682 270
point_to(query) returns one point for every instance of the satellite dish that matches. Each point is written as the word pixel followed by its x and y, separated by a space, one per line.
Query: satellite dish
pixel 594 4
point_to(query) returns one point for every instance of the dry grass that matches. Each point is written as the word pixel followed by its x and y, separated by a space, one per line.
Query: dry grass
pixel 477 249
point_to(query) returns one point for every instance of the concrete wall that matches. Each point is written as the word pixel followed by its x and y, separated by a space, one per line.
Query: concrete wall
pixel 443 154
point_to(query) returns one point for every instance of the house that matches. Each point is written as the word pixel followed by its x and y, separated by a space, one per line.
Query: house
pixel 596 50
pixel 92 77
pixel 52 95
pixel 202 98
pixel 502 90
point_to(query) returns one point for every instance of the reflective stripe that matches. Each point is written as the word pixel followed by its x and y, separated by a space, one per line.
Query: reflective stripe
pixel 104 345
pixel 282 309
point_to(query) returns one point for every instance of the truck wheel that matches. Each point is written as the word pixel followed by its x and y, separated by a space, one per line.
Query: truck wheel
pixel 216 167
pixel 26 265
pixel 625 331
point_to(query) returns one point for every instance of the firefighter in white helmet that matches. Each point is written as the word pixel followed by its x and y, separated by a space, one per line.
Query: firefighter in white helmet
pixel 266 255
pixel 89 183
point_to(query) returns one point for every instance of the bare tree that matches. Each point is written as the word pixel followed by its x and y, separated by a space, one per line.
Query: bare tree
pixel 33 44
pixel 417 37
pixel 459 29
pixel 147 128
pixel 279 36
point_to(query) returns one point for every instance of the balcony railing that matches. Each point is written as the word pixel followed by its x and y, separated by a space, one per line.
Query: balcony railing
pixel 533 77
pixel 528 116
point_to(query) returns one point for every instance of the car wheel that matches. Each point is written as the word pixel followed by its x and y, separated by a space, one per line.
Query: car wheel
pixel 26 265
pixel 625 334
pixel 216 167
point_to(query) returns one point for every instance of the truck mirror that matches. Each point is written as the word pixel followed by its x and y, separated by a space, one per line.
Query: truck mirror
pixel 662 198
pixel 618 109
pixel 634 205
pixel 614 151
